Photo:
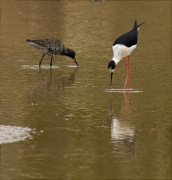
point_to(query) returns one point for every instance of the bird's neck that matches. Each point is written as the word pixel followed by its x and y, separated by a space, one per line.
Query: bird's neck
pixel 117 52
pixel 116 60
pixel 66 52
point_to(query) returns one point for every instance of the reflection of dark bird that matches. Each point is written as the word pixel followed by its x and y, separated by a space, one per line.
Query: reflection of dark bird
pixel 56 81
pixel 51 47
pixel 122 47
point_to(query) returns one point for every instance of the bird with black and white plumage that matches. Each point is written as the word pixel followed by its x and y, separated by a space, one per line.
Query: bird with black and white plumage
pixel 122 47
pixel 52 47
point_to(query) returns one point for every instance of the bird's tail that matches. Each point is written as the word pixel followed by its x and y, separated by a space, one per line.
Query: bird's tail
pixel 136 26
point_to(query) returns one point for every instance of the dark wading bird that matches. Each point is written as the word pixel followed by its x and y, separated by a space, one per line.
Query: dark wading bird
pixel 122 47
pixel 51 47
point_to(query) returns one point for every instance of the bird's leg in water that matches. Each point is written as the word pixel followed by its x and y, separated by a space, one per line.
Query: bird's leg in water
pixel 127 78
pixel 125 82
pixel 41 60
pixel 51 61
pixel 125 62
pixel 128 72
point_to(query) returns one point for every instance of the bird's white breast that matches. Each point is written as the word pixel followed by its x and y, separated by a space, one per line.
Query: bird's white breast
pixel 120 51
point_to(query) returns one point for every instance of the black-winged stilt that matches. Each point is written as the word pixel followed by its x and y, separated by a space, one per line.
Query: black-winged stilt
pixel 122 47
pixel 51 47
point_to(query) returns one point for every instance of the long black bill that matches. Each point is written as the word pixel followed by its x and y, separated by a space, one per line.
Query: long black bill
pixel 76 62
pixel 111 78
pixel 141 24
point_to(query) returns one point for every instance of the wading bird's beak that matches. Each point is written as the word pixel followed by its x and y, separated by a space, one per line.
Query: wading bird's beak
pixel 75 61
pixel 111 78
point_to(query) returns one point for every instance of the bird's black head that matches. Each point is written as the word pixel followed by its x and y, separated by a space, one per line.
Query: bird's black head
pixel 72 55
pixel 111 67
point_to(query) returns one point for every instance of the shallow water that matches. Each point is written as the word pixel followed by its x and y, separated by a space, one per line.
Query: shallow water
pixel 129 90
pixel 89 130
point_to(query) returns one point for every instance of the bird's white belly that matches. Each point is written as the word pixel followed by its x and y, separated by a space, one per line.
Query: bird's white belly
pixel 120 51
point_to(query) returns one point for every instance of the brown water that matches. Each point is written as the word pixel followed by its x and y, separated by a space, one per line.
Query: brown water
pixel 83 128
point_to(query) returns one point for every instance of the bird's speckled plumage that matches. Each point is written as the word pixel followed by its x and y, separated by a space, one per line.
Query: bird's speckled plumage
pixel 51 47
pixel 48 46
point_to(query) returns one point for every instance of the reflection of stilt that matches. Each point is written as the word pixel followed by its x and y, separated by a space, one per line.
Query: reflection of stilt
pixel 126 106
pixel 122 135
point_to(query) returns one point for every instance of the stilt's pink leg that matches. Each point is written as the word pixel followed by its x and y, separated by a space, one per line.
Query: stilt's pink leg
pixel 128 72
pixel 125 62
pixel 127 75
pixel 125 82
pixel 128 66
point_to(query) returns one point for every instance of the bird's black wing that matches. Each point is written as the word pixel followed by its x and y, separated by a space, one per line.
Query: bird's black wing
pixel 128 39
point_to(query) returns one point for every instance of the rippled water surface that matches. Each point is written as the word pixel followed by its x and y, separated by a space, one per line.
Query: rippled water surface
pixel 83 128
